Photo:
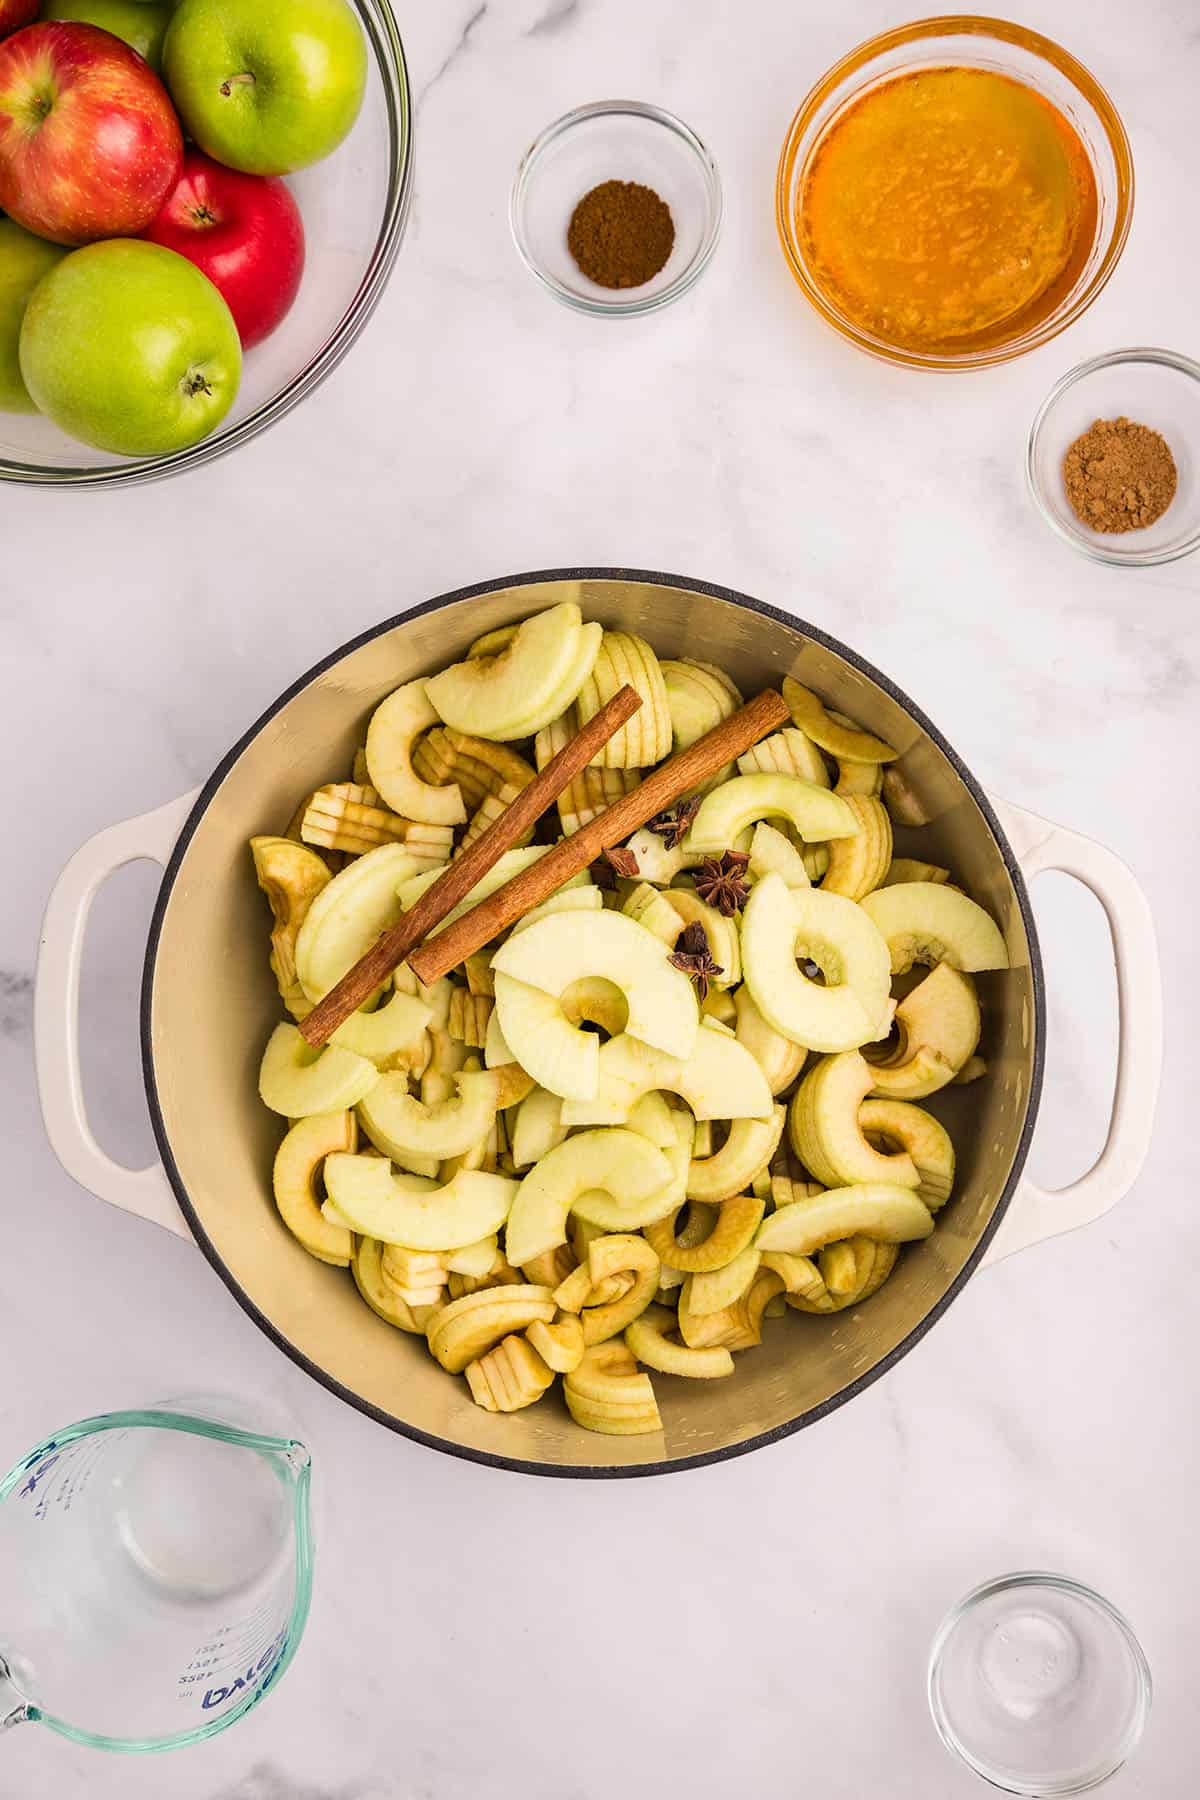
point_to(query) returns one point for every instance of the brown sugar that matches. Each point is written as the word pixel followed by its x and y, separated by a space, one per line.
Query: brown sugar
pixel 1119 475
pixel 621 234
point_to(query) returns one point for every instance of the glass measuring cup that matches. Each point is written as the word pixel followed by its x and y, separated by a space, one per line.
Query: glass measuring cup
pixel 156 1568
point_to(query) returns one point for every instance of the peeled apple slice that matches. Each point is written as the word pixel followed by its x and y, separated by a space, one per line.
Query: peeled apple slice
pixel 347 917
pixel 926 922
pixel 823 1125
pixel 924 1138
pixel 815 813
pixel 394 729
pixel 646 737
pixel 777 1056
pixel 771 852
pixel 719 1080
pixel 291 876
pixel 558 1055
pixel 564 949
pixel 846 742
pixel 786 752
pixel 937 1028
pixel 780 924
pixel 859 864
pixel 538 1128
pixel 620 1163
pixel 404 1209
pixel 297 1081
pixel 515 692
pixel 606 1393
pixel 513 862
pixel 745 1153
pixel 295 1180
pixel 894 1215
pixel 621 1253
pixel 468 1328
pixel 652 1340
pixel 366 1266
pixel 403 1126
pixel 393 1036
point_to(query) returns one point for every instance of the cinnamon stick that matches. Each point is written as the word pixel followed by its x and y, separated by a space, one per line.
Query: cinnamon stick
pixel 460 876
pixel 688 769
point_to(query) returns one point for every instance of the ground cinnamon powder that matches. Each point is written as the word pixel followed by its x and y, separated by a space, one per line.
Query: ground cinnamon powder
pixel 1119 475
pixel 621 234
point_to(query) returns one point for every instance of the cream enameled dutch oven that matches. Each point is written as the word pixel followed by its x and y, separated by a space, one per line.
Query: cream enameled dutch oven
pixel 209 1002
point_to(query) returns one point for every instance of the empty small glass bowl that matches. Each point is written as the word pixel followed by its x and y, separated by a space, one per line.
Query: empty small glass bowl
pixel 355 205
pixel 1039 1685
pixel 1153 387
pixel 615 140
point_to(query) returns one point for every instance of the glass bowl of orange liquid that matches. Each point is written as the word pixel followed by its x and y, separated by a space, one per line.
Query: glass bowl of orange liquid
pixel 954 192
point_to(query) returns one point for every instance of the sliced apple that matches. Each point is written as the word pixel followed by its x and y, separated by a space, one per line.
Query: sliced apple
pixel 607 1394
pixel 295 1180
pixel 922 1137
pixel 893 1215
pixel 936 1030
pixel 561 950
pixel 568 900
pixel 403 1209
pixel 859 864
pixel 823 1125
pixel 524 685
pixel 559 1344
pixel 467 1328
pixel 909 868
pixel 715 1289
pixel 859 778
pixel 560 1056
pixel 745 1153
pixel 646 737
pixel 538 1129
pixel 480 769
pixel 810 1287
pixel 813 811
pixel 508 1377
pixel 771 852
pixel 778 925
pixel 401 1125
pixel 787 752
pixel 737 1221
pixel 737 1326
pixel 619 1163
pixel 618 1254
pixel 653 910
pixel 925 922
pixel 512 862
pixel 778 1057
pixel 846 742
pixel 394 729
pixel 652 1118
pixel 291 877
pixel 658 862
pixel 297 1081
pixel 394 1036
pixel 653 1339
pixel 346 917
pixel 366 1268
pixel 719 1080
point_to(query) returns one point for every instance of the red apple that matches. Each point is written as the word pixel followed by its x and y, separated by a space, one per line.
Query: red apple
pixel 244 232
pixel 89 142
pixel 15 13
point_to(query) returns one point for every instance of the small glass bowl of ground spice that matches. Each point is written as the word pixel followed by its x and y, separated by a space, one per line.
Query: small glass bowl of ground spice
pixel 1114 457
pixel 616 208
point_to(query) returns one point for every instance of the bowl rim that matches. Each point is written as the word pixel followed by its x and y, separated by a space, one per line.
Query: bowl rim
pixel 597 1470
pixel 692 271
pixel 974 25
pixel 1111 554
pixel 383 33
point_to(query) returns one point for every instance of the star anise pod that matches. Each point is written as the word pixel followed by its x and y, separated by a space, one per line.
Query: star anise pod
pixel 721 881
pixel 673 826
pixel 610 863
pixel 693 956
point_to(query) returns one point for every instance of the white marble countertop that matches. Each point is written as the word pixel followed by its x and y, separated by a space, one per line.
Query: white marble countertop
pixel 761 1625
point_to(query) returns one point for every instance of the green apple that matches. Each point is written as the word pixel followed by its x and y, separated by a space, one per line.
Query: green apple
pixel 266 86
pixel 140 23
pixel 129 348
pixel 24 259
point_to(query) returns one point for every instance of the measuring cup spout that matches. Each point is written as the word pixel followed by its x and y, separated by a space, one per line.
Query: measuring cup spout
pixel 14 1708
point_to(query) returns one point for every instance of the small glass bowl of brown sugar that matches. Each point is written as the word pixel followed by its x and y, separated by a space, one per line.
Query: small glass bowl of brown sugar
pixel 616 208
pixel 1114 457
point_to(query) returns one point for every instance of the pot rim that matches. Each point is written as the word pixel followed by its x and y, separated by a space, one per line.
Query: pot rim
pixel 594 1471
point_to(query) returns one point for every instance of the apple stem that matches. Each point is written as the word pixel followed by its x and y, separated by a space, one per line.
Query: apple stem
pixel 245 79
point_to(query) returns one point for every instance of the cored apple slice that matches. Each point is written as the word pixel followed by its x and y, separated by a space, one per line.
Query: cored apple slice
pixel 291 876
pixel 564 949
pixel 607 1394
pixel 297 1081
pixel 653 1119
pixel 894 1215
pixel 557 1054
pixel 467 1328
pixel 623 1164
pixel 926 922
pixel 567 900
pixel 778 925
pixel 714 1289
pixel 391 736
pixel 652 1339
pixel 771 852
pixel 620 1253
pixel 515 692
pixel 404 1209
pixel 786 752
pixel 646 737
pixel 815 813
pixel 745 1153
pixel 538 1128
pixel 719 1080
pixel 366 1265
pixel 777 1056
pixel 845 742
pixel 921 1136
pixel 859 864
pixel 295 1179
pixel 346 918
pixel 823 1125
pixel 394 1036
pixel 403 1126
pixel 698 697
pixel 937 1028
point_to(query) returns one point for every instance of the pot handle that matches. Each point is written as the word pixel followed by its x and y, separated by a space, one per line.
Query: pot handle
pixel 145 1192
pixel 1036 1213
